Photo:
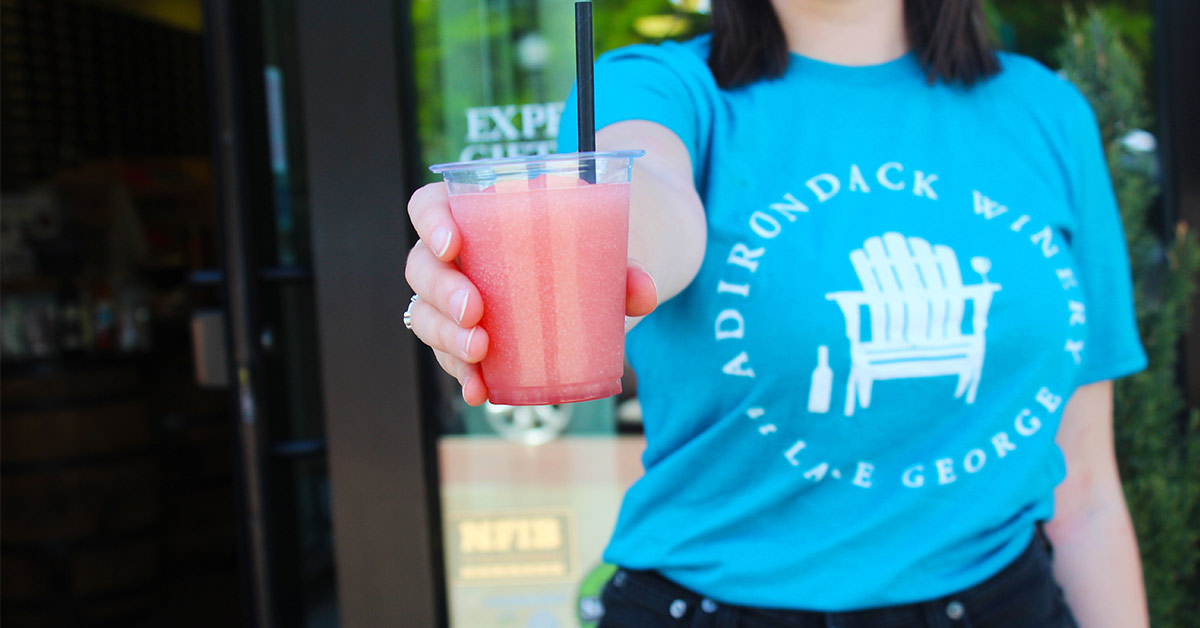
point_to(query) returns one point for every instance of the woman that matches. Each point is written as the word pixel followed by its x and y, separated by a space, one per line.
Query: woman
pixel 891 297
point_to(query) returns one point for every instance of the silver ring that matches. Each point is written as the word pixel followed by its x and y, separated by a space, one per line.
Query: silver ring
pixel 408 313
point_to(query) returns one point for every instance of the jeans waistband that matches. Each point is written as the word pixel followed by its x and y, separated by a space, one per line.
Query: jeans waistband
pixel 660 592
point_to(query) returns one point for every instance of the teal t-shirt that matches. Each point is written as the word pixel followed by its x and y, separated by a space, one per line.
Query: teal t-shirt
pixel 854 404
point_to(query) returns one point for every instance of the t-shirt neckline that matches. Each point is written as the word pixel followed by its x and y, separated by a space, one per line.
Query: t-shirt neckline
pixel 905 66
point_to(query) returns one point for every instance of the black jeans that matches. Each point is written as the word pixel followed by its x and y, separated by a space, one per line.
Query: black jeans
pixel 1023 595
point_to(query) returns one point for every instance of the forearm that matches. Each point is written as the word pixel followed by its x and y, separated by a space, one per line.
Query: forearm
pixel 1095 551
pixel 666 233
pixel 667 227
pixel 1096 562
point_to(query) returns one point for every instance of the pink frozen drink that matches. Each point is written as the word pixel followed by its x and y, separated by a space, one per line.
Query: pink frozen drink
pixel 548 252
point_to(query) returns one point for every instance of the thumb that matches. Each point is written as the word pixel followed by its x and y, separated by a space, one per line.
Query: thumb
pixel 641 293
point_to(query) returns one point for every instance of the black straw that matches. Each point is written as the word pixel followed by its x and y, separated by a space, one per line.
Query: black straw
pixel 583 76
pixel 585 87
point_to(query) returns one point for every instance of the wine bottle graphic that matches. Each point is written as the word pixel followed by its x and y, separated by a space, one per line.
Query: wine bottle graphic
pixel 821 389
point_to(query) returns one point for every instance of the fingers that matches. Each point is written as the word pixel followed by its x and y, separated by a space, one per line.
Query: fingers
pixel 469 376
pixel 449 307
pixel 442 285
pixel 443 334
pixel 641 293
pixel 429 211
pixel 449 363
pixel 474 391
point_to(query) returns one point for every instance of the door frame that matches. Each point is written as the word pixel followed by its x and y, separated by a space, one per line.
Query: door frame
pixel 355 71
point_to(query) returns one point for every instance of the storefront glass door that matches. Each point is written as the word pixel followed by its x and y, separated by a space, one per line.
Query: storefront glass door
pixel 283 478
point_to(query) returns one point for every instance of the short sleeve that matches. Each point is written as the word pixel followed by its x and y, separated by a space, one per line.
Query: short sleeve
pixel 667 83
pixel 1112 348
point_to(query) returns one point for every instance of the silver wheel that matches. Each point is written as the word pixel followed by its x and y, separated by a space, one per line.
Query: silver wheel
pixel 528 425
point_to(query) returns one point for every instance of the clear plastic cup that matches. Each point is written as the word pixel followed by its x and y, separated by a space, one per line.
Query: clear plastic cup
pixel 545 240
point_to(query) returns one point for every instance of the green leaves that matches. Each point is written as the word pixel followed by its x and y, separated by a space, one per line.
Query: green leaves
pixel 1158 444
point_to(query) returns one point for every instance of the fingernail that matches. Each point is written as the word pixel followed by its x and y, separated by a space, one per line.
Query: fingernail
pixel 464 340
pixel 441 241
pixel 458 305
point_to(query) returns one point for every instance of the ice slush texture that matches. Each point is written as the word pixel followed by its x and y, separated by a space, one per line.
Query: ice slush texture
pixel 549 256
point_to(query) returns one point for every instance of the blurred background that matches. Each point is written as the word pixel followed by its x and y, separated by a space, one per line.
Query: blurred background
pixel 210 414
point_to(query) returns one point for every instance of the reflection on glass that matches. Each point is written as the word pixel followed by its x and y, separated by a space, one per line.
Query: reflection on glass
pixel 492 75
pixel 301 552
pixel 290 351
pixel 288 224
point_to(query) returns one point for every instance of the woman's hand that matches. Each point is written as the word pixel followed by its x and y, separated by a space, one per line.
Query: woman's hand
pixel 449 307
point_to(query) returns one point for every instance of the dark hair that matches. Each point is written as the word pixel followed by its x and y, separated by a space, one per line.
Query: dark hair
pixel 950 38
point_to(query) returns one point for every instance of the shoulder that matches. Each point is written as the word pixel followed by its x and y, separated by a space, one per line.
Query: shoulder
pixel 1027 84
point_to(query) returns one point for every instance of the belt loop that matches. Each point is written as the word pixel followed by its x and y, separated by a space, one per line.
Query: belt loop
pixel 728 616
pixel 1040 531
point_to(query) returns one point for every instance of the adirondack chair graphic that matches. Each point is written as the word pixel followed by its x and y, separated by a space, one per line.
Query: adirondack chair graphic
pixel 915 298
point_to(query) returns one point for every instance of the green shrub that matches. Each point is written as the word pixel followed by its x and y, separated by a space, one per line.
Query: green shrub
pixel 1158 442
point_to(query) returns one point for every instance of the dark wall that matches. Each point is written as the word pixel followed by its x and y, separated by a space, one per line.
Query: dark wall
pixel 81 81
pixel 1179 97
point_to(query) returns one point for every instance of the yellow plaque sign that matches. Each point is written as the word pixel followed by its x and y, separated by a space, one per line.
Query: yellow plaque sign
pixel 513 547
